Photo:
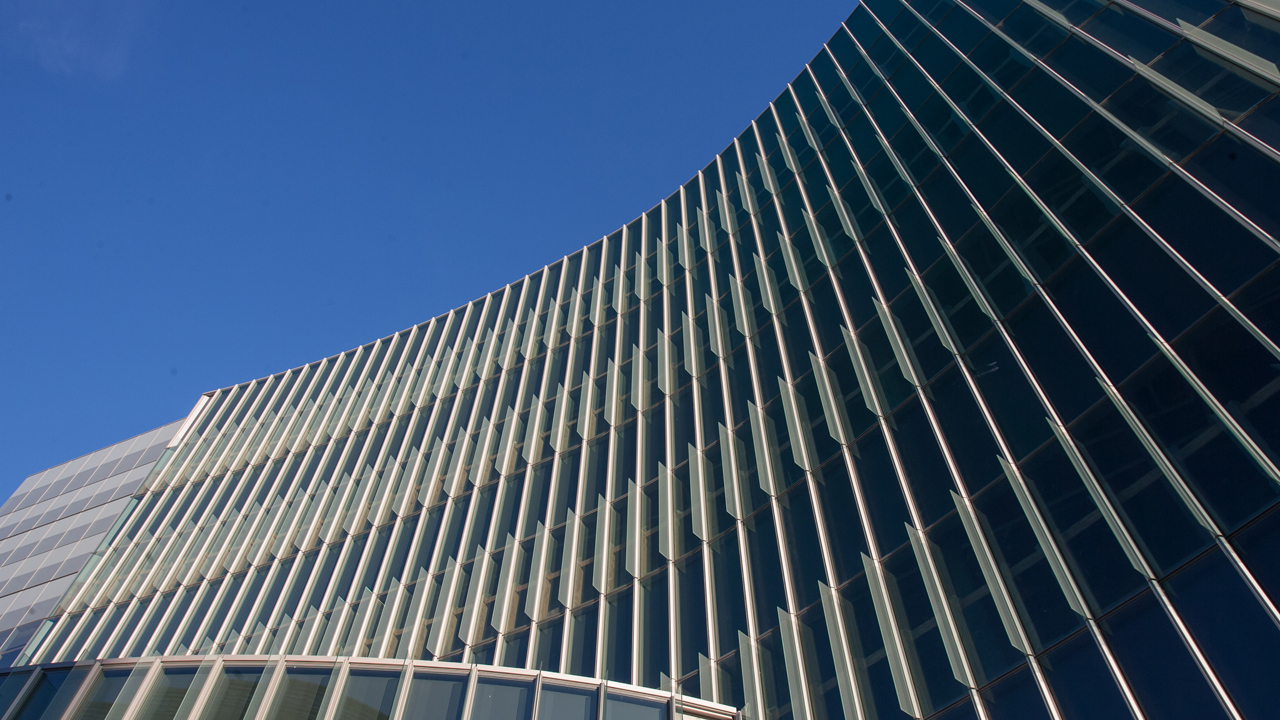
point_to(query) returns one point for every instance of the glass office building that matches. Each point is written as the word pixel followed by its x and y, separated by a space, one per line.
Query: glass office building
pixel 947 390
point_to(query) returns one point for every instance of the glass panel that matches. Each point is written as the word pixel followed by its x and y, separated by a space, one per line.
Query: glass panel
pixel 1259 548
pixel 369 695
pixel 436 697
pixel 502 700
pixel 237 690
pixel 1161 290
pixel 106 691
pixel 1215 244
pixel 564 703
pixel 52 694
pixel 1205 452
pixel 1082 683
pixel 617 707
pixel 1129 34
pixel 1145 498
pixel 10 686
pixel 303 695
pixel 1240 640
pixel 1226 86
pixel 174 689
pixel 1249 30
pixel 1155 661
pixel 1242 176
pixel 1016 698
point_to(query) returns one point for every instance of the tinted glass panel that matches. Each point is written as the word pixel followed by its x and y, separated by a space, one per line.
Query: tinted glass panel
pixel 234 694
pixel 172 690
pixel 619 707
pixel 368 695
pixel 106 691
pixel 502 700
pixel 438 697
pixel 557 702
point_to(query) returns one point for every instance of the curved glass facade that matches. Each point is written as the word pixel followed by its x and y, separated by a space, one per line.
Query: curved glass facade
pixel 308 688
pixel 948 389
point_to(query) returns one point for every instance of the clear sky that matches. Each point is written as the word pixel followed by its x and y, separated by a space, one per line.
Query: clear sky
pixel 197 194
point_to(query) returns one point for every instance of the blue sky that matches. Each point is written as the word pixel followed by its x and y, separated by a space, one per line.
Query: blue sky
pixel 196 194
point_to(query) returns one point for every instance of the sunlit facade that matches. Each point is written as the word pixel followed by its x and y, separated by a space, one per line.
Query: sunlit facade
pixel 948 389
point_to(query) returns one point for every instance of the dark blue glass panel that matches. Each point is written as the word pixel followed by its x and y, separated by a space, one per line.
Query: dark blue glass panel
pixel 981 630
pixel 933 10
pixel 935 57
pixel 980 171
pixel 885 54
pixel 1258 301
pixel 992 269
pixel 1016 698
pixel 1248 29
pixel 1171 126
pixel 911 85
pixel 1033 31
pixel 962 29
pixel 919 158
pixel 924 642
pixel 949 205
pixel 1264 122
pixel 566 703
pixel 1129 34
pixel 864 636
pixel 1077 11
pixel 1259 547
pixel 930 355
pixel 48 696
pixel 1225 478
pixel 1037 596
pixel 943 125
pixel 1015 138
pixel 1238 371
pixel 881 491
pixel 966 320
pixel 1082 683
pixel 1014 404
pixel 1049 102
pixel 1058 366
pixel 969 92
pixel 967 433
pixel 802 539
pixel 1089 544
pixel 1229 88
pixel 961 711
pixel 1215 244
pixel 1193 11
pixel 1156 663
pixel 926 470
pixel 502 700
pixel 1161 290
pixel 370 694
pixel 1149 505
pixel 1000 61
pixel 1100 320
pixel 1240 640
pixel 916 230
pixel 840 510
pixel 1038 240
pixel 994 10
pixel 1087 68
pixel 1124 165
pixel 1243 177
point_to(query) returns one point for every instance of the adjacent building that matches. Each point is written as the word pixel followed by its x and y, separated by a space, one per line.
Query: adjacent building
pixel 947 390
